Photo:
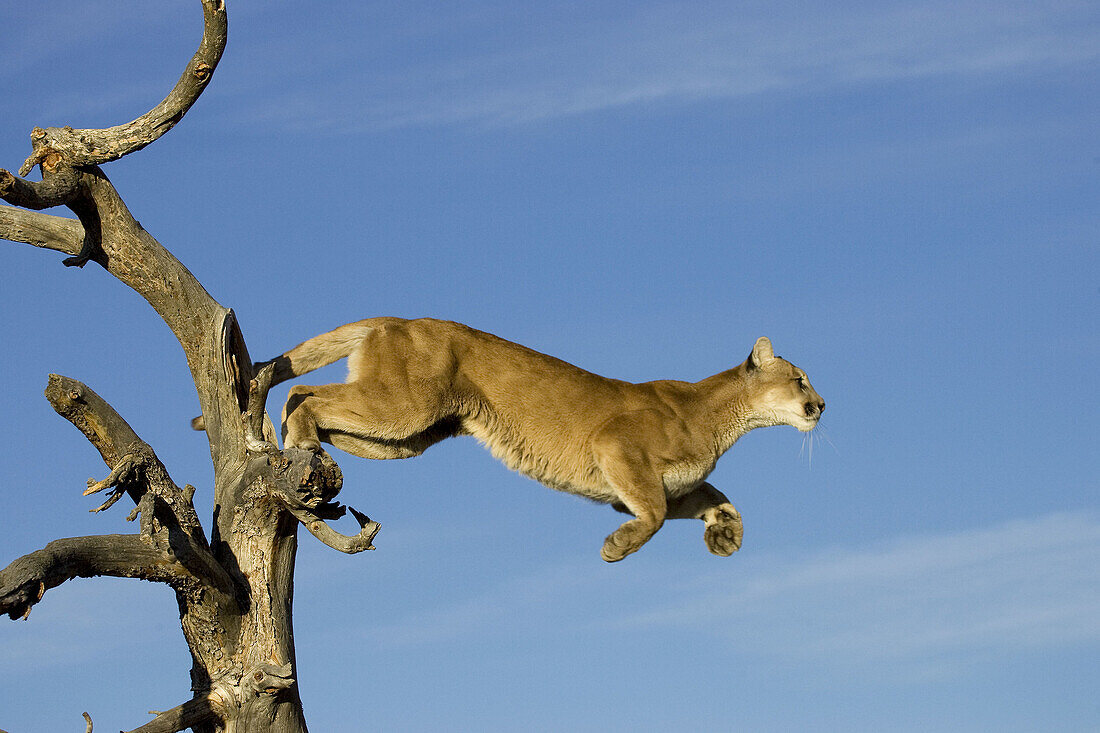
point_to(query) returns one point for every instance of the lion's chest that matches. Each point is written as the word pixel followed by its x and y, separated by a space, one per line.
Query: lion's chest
pixel 684 477
pixel 562 459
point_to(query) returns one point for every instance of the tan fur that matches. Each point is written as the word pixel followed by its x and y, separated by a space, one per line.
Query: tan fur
pixel 646 449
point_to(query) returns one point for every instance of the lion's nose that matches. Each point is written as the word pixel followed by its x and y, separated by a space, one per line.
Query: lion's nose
pixel 821 406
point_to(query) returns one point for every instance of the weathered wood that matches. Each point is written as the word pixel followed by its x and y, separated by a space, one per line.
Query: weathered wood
pixel 92 147
pixel 47 231
pixel 234 591
pixel 55 190
pixel 190 714
pixel 24 582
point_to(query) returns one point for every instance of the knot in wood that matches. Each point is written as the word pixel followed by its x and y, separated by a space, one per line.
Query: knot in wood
pixel 278 462
pixel 50 161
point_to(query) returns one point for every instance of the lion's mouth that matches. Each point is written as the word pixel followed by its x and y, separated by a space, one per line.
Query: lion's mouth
pixel 812 413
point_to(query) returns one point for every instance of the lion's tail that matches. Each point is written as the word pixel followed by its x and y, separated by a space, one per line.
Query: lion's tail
pixel 315 353
pixel 318 351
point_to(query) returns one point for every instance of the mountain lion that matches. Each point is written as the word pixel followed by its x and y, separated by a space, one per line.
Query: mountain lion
pixel 643 448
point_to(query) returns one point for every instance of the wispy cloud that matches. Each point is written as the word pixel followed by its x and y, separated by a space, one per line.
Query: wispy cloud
pixel 917 601
pixel 676 53
pixel 1025 584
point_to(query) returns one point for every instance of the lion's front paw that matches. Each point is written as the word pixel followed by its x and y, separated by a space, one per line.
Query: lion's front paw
pixel 626 540
pixel 724 530
pixel 613 551
pixel 610 554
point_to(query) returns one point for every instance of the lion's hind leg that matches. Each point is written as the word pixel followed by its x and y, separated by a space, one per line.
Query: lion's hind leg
pixel 339 414
pixel 366 447
pixel 327 413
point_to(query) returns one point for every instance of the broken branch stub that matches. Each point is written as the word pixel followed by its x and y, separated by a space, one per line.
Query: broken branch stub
pixel 306 483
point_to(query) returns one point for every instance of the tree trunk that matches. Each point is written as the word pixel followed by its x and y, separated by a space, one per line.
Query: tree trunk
pixel 235 590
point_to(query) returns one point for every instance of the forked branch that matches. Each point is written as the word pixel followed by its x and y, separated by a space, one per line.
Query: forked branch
pixel 111 236
pixel 168 519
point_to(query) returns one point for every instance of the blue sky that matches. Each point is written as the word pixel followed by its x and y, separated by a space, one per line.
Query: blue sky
pixel 902 196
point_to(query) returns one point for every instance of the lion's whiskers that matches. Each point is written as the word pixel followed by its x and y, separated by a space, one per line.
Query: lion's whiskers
pixel 825 436
pixel 808 438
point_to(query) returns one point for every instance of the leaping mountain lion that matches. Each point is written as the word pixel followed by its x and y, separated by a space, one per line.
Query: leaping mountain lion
pixel 645 449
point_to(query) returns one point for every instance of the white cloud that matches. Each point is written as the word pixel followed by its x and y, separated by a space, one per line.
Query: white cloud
pixel 911 604
pixel 685 53
pixel 1025 584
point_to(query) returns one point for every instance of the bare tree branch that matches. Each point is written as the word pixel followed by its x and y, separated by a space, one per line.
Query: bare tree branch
pixel 101 424
pixel 261 433
pixel 61 184
pixel 188 715
pixel 168 518
pixel 92 147
pixel 349 544
pixel 54 190
pixel 47 231
pixel 24 581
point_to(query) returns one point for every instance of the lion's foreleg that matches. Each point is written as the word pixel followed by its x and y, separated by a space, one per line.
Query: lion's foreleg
pixel 645 500
pixel 723 522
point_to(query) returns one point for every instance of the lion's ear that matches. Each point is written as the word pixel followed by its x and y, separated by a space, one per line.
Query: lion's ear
pixel 761 353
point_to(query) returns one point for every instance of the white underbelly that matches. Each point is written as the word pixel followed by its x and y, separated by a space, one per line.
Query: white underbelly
pixel 684 479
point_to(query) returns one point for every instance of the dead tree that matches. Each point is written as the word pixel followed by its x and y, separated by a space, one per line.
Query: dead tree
pixel 233 589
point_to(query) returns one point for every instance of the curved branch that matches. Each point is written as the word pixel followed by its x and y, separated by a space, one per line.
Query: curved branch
pixel 25 581
pixel 208 332
pixel 349 544
pixel 92 147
